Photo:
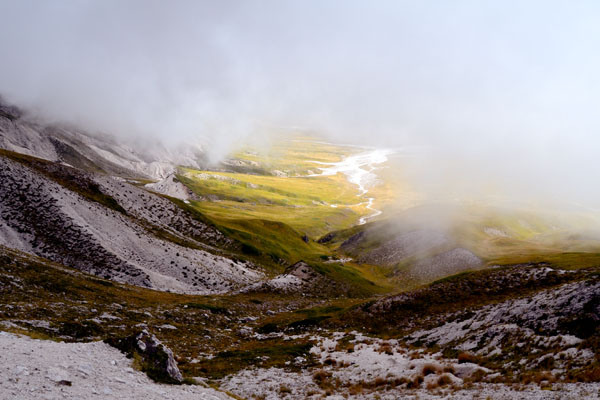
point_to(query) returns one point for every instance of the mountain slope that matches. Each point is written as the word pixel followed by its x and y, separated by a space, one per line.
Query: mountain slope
pixel 529 322
pixel 77 199
pixel 99 153
pixel 429 242
pixel 125 233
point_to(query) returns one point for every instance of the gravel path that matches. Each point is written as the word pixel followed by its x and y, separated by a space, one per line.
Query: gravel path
pixel 43 369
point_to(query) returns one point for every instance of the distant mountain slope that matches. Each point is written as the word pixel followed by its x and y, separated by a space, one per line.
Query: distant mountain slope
pixel 100 153
pixel 429 242
pixel 84 201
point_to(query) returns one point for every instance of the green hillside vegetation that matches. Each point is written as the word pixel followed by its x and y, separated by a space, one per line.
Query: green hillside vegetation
pixel 295 155
pixel 278 214
pixel 302 203
pixel 282 216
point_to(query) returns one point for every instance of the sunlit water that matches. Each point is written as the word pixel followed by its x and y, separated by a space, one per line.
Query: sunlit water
pixel 359 170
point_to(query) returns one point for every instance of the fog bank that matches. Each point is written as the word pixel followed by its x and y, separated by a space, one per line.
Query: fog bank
pixel 500 96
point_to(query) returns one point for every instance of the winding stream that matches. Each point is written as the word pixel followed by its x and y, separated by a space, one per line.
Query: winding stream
pixel 359 171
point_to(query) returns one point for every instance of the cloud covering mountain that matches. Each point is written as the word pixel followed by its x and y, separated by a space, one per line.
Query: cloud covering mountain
pixel 501 92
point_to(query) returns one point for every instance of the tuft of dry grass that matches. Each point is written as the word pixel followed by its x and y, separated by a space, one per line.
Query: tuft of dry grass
pixel 386 348
pixel 466 357
pixel 416 382
pixel 541 378
pixel 284 389
pixel 345 347
pixel 444 379
pixel 330 361
pixel 449 369
pixel 379 381
pixel 430 368
pixel 323 379
pixel 356 389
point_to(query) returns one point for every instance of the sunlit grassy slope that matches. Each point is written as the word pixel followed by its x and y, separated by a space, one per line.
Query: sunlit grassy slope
pixel 311 205
pixel 295 155
pixel 303 203
pixel 269 199
pixel 272 204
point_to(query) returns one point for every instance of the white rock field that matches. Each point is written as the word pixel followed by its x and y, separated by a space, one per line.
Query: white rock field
pixel 368 362
pixel 43 369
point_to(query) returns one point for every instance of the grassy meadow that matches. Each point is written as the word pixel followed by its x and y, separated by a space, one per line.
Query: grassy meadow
pixel 268 200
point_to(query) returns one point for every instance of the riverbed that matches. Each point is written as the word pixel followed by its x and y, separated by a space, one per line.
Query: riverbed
pixel 359 170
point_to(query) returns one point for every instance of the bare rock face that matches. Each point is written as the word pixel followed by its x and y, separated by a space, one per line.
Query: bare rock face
pixel 446 263
pixel 299 278
pixel 429 254
pixel 92 152
pixel 156 359
pixel 396 247
pixel 171 186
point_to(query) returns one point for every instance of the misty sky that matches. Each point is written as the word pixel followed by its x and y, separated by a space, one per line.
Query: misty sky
pixel 498 93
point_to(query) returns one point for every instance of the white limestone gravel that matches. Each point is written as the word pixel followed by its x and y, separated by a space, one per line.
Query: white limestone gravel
pixel 367 362
pixel 43 369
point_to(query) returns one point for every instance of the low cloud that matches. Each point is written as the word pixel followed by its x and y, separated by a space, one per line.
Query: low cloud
pixel 501 96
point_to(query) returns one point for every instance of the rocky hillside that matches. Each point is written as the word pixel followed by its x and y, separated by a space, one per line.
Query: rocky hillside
pixel 44 369
pixel 300 279
pixel 412 253
pixel 113 229
pixel 525 322
pixel 524 331
pixel 99 153
pixel 425 254
pixel 77 211
pixel 431 241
